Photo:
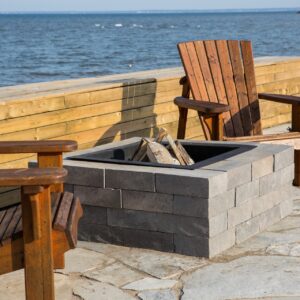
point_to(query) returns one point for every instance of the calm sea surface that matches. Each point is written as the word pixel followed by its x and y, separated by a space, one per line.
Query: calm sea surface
pixel 36 48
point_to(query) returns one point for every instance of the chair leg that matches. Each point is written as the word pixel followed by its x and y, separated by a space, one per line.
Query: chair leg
pixel 38 254
pixel 183 112
pixel 212 127
pixel 297 168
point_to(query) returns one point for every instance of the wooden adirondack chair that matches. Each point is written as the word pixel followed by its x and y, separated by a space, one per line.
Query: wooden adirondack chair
pixel 220 77
pixel 35 233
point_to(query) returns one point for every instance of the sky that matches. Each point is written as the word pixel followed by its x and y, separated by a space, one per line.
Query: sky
pixel 124 5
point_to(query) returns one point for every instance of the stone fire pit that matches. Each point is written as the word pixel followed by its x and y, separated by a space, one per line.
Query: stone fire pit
pixel 235 191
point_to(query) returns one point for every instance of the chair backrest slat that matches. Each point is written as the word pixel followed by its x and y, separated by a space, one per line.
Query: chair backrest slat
pixel 207 76
pixel 223 71
pixel 247 54
pixel 239 78
pixel 231 93
pixel 214 63
pixel 6 221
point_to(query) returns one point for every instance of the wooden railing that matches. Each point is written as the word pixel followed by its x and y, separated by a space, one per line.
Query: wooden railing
pixel 94 111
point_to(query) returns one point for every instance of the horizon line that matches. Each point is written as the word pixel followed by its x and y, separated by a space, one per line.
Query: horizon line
pixel 155 10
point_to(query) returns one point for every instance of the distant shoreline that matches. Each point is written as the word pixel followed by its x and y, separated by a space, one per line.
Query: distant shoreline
pixel 263 10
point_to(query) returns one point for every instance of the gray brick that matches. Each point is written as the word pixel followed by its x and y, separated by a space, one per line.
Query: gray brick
pixel 273 181
pixel 238 172
pixel 264 203
pixel 100 233
pixel 284 158
pixel 158 222
pixel 287 175
pixel 262 167
pixel 147 201
pixel 269 217
pixel 240 214
pixel 190 206
pixel 141 220
pixel 217 224
pixel 85 176
pixel 98 196
pixel 94 215
pixel 246 191
pixel 247 229
pixel 221 242
pixel 69 187
pixel 286 208
pixel 159 241
pixel 254 154
pixel 130 180
pixel 197 183
pixel 194 246
pixel 221 203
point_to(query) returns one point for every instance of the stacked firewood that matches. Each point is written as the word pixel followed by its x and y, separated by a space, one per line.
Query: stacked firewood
pixel 154 151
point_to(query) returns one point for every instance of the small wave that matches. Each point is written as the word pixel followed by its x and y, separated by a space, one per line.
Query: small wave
pixel 137 26
pixel 198 26
pixel 118 25
pixel 172 26
pixel 97 25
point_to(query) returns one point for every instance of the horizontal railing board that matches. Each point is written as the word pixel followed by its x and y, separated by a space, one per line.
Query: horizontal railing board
pixel 98 110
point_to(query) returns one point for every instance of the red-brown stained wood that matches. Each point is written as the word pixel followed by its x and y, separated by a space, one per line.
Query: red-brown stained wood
pixel 52 160
pixel 12 224
pixel 2 214
pixel 76 213
pixel 189 71
pixel 6 221
pixel 197 73
pixel 287 99
pixel 55 200
pixel 238 72
pixel 230 88
pixel 9 147
pixel 202 106
pixel 24 177
pixel 61 217
pixel 215 68
pixel 248 61
pixel 183 113
pixel 204 65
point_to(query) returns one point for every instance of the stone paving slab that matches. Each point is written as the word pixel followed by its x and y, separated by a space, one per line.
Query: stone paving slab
pixel 265 267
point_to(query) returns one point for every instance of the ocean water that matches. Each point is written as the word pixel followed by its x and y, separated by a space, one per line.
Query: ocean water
pixel 35 48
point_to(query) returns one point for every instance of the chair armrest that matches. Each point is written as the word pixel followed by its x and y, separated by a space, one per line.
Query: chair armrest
pixel 202 106
pixel 280 98
pixel 37 146
pixel 32 177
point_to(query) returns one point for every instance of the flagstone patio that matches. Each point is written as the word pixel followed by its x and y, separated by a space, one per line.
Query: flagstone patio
pixel 266 266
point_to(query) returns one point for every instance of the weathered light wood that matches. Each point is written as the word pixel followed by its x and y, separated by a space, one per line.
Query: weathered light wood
pixel 187 159
pixel 159 154
pixel 175 150
pixel 46 104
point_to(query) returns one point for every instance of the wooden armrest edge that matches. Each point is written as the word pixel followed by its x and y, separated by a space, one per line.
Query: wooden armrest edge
pixel 32 177
pixel 201 106
pixel 56 146
pixel 280 98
